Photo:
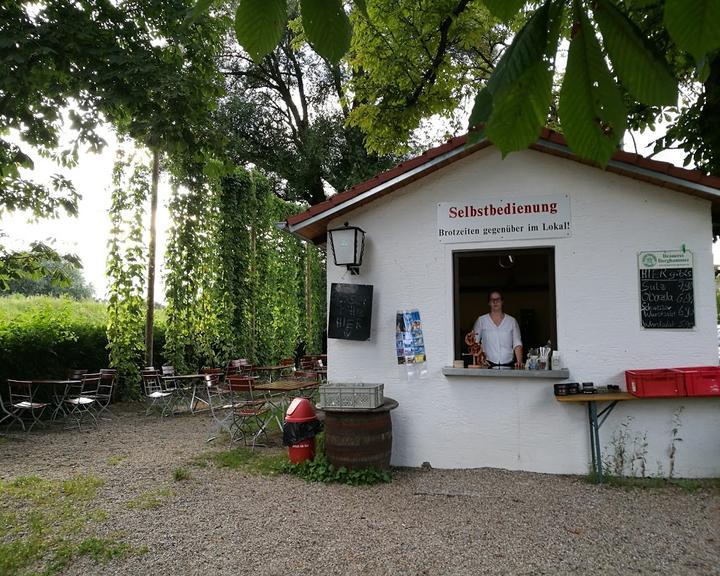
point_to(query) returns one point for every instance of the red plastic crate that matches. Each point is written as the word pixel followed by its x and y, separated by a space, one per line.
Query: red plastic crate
pixel 655 383
pixel 701 380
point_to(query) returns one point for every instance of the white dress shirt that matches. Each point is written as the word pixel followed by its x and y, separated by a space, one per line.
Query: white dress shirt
pixel 498 342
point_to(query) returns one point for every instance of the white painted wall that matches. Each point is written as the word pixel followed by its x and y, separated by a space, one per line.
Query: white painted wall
pixel 466 422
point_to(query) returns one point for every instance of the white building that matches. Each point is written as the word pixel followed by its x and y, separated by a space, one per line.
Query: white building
pixel 445 228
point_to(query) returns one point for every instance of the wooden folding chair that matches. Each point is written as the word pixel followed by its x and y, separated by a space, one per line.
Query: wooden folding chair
pixel 250 414
pixel 154 391
pixel 106 386
pixel 288 369
pixel 21 401
pixel 80 399
pixel 237 366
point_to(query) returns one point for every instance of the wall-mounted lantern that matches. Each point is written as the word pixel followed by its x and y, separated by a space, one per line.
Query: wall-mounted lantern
pixel 347 246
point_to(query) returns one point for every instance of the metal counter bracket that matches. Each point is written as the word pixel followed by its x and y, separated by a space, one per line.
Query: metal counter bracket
pixel 595 420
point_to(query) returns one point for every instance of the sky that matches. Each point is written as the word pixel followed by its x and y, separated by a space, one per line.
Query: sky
pixel 88 234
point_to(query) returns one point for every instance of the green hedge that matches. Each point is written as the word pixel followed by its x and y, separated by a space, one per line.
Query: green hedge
pixel 43 337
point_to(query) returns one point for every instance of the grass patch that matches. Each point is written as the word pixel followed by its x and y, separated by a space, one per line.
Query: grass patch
pixel 181 474
pixel 271 464
pixel 686 484
pixel 244 459
pixel 150 499
pixel 115 460
pixel 43 525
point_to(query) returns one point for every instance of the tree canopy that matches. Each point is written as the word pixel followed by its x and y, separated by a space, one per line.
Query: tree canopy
pixel 76 63
pixel 610 62
pixel 131 62
pixel 64 279
pixel 287 115
pixel 413 59
pixel 318 124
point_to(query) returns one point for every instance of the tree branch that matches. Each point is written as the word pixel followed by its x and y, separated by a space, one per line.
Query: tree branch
pixel 430 75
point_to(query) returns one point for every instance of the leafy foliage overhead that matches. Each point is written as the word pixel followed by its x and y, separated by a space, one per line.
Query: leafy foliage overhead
pixel 592 110
pixel 74 63
pixel 132 62
pixel 286 115
pixel 310 123
pixel 694 25
pixel 412 60
pixel 591 106
pixel 260 24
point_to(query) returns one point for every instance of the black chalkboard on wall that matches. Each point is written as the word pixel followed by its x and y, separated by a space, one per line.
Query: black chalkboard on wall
pixel 666 290
pixel 350 311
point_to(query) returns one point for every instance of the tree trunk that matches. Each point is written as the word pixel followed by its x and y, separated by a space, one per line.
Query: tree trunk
pixel 309 328
pixel 709 122
pixel 150 312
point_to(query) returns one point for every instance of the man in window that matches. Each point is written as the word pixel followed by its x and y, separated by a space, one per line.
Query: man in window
pixel 499 334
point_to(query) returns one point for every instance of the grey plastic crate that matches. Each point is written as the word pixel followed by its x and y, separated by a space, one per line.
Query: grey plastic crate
pixel 351 395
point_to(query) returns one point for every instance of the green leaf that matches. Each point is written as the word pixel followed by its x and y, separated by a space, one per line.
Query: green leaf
pixel 327 27
pixel 528 47
pixel 503 10
pixel 694 25
pixel 635 4
pixel 520 110
pixel 196 11
pixel 642 71
pixel 591 109
pixel 479 115
pixel 518 93
pixel 703 70
pixel 260 25
pixel 362 6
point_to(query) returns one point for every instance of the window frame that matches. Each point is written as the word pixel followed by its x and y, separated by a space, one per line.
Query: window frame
pixel 547 252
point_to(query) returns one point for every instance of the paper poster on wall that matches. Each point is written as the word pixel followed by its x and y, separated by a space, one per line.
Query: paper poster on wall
pixel 409 340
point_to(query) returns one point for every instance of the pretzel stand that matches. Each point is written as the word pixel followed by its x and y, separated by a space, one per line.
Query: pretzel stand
pixel 476 351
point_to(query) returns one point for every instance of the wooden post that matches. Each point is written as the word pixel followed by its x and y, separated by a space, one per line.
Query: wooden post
pixel 150 303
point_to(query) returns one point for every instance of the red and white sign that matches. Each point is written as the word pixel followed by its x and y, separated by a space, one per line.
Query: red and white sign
pixel 504 219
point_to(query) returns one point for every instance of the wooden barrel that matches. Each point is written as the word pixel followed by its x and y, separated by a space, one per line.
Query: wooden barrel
pixel 359 439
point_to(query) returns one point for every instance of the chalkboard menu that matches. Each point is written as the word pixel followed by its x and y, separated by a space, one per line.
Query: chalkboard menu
pixel 666 289
pixel 350 311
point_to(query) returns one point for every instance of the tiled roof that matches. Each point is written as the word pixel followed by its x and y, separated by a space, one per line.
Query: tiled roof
pixel 311 223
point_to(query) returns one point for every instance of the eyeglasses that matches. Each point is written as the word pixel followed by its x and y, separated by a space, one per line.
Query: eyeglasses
pixel 495 299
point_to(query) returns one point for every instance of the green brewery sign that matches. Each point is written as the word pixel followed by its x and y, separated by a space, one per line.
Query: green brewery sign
pixel 665 259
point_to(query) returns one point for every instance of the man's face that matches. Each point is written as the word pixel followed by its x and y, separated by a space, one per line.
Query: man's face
pixel 495 302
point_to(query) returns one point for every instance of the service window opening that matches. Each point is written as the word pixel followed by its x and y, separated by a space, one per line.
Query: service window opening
pixel 526 278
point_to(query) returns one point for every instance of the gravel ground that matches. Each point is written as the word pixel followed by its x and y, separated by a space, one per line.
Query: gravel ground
pixel 428 522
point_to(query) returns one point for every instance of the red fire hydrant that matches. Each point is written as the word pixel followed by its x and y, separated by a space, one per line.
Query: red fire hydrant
pixel 299 430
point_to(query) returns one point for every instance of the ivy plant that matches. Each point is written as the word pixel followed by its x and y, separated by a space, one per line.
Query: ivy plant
pixel 126 271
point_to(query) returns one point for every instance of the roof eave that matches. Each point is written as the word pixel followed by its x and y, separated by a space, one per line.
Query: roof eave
pixel 396 182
